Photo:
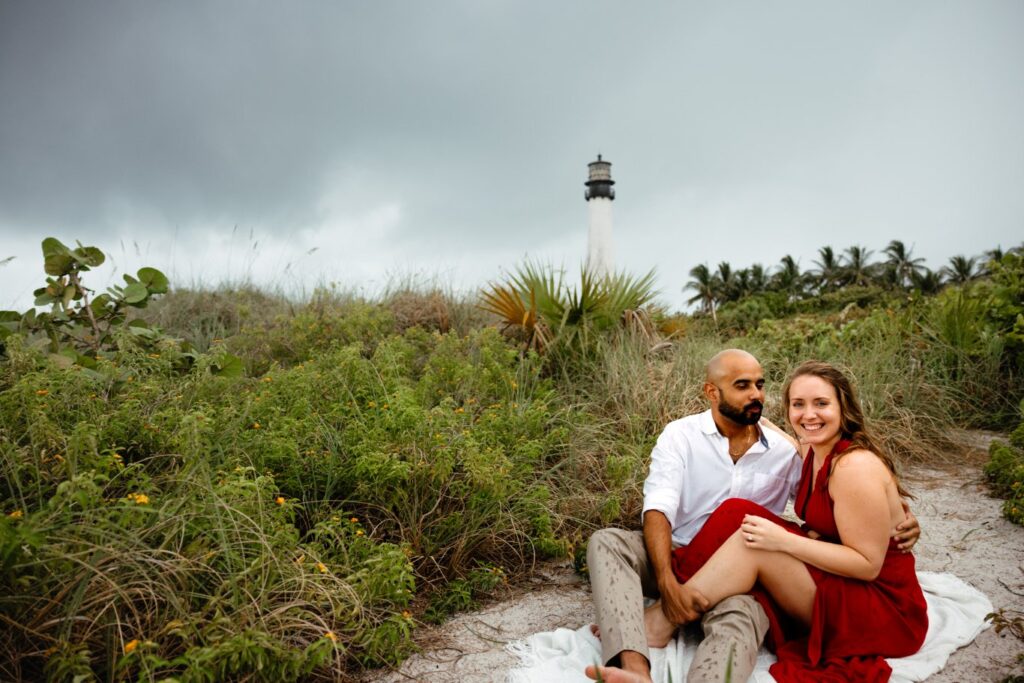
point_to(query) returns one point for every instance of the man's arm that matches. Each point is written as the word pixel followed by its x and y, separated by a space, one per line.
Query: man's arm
pixel 680 605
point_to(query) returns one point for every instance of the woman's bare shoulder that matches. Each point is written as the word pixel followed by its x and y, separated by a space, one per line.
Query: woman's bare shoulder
pixel 860 462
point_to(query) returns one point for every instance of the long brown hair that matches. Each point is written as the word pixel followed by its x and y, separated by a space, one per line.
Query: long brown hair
pixel 852 425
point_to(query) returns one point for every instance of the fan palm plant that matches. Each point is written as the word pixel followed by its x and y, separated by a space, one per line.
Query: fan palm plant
pixel 536 301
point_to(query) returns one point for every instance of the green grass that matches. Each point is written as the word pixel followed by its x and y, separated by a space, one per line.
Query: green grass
pixel 385 462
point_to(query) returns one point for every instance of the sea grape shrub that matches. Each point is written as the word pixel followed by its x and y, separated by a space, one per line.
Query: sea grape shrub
pixel 77 326
pixel 1005 472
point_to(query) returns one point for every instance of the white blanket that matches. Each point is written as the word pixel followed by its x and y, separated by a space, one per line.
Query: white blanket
pixel 956 615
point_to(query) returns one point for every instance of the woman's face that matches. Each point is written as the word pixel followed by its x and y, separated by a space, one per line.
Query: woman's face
pixel 814 412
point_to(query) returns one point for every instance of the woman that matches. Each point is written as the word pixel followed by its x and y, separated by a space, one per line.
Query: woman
pixel 841 579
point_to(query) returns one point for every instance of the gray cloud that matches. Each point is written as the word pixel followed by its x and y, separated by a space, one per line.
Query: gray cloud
pixel 458 133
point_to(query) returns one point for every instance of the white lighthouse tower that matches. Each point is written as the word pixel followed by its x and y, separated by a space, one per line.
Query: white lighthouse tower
pixel 600 194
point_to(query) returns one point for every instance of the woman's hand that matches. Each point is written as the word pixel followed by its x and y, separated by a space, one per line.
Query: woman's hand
pixel 763 534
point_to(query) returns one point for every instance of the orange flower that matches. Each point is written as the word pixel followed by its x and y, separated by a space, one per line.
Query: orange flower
pixel 130 646
pixel 321 567
pixel 354 520
pixel 406 614
pixel 331 637
pixel 17 514
pixel 42 392
pixel 279 500
pixel 255 425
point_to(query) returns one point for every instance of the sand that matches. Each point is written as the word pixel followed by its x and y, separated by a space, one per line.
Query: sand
pixel 962 533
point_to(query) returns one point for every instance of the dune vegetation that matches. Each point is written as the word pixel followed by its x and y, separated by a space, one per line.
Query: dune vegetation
pixel 229 484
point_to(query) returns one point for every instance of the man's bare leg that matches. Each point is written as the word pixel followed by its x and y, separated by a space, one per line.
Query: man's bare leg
pixel 658 628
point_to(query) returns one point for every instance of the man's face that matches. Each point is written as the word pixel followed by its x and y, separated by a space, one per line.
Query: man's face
pixel 741 394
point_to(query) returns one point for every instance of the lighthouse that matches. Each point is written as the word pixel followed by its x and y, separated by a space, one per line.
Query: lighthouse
pixel 599 194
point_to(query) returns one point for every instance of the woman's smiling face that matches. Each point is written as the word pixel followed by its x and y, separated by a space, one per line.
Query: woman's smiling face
pixel 814 412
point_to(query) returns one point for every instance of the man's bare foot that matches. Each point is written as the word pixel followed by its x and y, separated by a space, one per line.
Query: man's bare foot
pixel 659 629
pixel 613 674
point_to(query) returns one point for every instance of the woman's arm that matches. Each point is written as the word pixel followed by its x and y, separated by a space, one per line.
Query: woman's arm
pixel 858 486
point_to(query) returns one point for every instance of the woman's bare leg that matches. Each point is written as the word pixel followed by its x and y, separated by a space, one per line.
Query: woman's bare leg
pixel 735 568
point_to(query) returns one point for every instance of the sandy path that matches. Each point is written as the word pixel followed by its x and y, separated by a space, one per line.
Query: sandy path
pixel 963 533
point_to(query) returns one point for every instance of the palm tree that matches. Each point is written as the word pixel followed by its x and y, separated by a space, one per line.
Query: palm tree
pixel 788 278
pixel 830 271
pixel 988 257
pixel 961 270
pixel 758 279
pixel 706 287
pixel 925 280
pixel 902 263
pixel 857 270
pixel 743 284
pixel 726 282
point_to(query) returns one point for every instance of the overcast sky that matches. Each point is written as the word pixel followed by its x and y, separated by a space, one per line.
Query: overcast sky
pixel 301 143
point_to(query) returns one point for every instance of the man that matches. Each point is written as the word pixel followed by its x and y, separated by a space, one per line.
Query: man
pixel 697 463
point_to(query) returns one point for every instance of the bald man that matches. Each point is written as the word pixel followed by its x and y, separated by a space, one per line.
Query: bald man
pixel 697 463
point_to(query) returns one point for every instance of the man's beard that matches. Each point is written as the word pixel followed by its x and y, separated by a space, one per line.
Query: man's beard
pixel 748 415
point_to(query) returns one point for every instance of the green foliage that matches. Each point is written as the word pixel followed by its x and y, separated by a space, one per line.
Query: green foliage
pixel 1005 472
pixel 75 325
pixel 567 323
pixel 168 515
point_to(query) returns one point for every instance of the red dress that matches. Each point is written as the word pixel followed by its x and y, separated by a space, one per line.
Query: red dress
pixel 855 624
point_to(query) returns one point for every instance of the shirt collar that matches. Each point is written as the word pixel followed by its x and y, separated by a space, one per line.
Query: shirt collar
pixel 708 426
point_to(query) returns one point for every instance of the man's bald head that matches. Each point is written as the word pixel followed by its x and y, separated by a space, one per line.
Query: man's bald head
pixel 725 363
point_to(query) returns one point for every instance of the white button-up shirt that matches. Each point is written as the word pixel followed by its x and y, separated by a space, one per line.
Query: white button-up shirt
pixel 692 473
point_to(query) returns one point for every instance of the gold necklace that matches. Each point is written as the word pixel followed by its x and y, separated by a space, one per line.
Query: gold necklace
pixel 747 443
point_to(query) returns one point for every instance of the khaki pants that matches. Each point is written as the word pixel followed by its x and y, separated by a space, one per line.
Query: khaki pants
pixel 620 578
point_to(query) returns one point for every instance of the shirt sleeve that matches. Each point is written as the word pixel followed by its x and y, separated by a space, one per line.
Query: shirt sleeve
pixel 795 471
pixel 663 487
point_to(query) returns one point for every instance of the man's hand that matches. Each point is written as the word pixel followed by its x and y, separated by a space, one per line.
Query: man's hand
pixel 907 532
pixel 681 603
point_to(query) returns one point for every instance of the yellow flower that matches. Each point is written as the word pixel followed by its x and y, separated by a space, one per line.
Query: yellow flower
pixel 267 379
pixel 17 514
pixel 359 532
pixel 321 567
pixel 42 392
pixel 406 614
pixel 460 410
pixel 279 500
pixel 372 404
pixel 331 637
pixel 255 425
pixel 139 498
pixel 130 646
pixel 154 355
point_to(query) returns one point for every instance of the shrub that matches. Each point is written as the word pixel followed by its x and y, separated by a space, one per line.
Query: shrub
pixel 1005 472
